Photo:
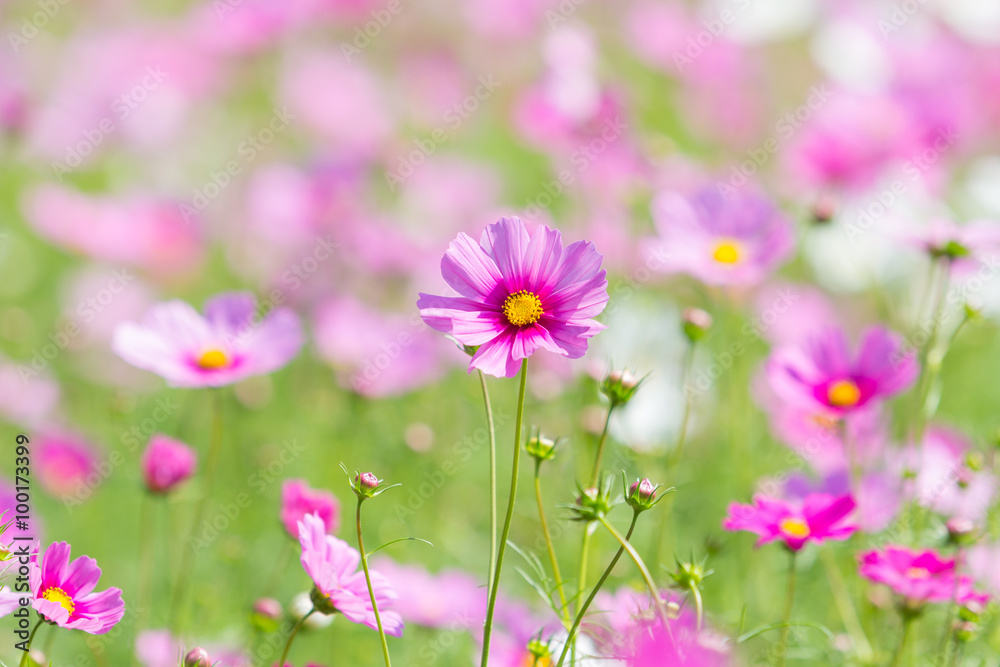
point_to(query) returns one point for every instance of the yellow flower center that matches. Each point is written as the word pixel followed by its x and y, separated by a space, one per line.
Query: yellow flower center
pixel 59 595
pixel 843 394
pixel 727 252
pixel 522 308
pixel 793 527
pixel 532 660
pixel 917 573
pixel 212 359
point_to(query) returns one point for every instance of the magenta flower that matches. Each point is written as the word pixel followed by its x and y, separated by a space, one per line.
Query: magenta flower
pixel 66 463
pixel 340 587
pixel 233 341
pixel 820 374
pixel 298 499
pixel 734 239
pixel 819 517
pixel 166 463
pixel 63 592
pixel 918 576
pixel 518 293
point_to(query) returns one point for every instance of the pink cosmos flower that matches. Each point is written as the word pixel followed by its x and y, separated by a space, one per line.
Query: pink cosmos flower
pixel 819 374
pixel 683 646
pixel 333 566
pixel 63 592
pixel 231 342
pixel 819 517
pixel 518 293
pixel 918 576
pixel 733 239
pixel 441 600
pixel 64 461
pixel 299 499
pixel 166 463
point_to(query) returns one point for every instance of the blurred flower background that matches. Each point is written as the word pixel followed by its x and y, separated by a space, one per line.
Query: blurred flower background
pixel 820 177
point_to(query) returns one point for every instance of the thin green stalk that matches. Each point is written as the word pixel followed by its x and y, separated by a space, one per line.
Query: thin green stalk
pixel 371 590
pixel 556 574
pixel 699 610
pixel 571 637
pixel 31 638
pixel 595 476
pixel 949 617
pixel 502 547
pixel 643 570
pixel 897 657
pixel 789 603
pixel 847 611
pixel 187 550
pixel 291 637
pixel 493 479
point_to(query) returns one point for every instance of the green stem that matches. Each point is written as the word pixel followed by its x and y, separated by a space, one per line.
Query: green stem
pixel 643 570
pixel 502 547
pixel 493 479
pixel 31 638
pixel 789 603
pixel 291 637
pixel 699 610
pixel 211 467
pixel 371 590
pixel 556 574
pixel 571 637
pixel 847 611
pixel 595 476
pixel 897 657
pixel 949 617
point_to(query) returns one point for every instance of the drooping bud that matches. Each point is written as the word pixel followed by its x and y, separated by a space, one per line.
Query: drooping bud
pixel 620 387
pixel 197 657
pixel 696 323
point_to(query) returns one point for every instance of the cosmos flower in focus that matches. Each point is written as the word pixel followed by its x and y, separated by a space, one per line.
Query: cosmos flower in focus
pixel 518 293
pixel 63 592
pixel 234 340
pixel 332 564
pixel 820 374
pixel 919 577
pixel 818 518
pixel 733 239
pixel 299 499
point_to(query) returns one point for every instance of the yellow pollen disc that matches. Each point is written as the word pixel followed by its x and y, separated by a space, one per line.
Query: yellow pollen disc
pixel 59 595
pixel 727 252
pixel 213 359
pixel 795 528
pixel 522 308
pixel 917 573
pixel 843 394
pixel 530 660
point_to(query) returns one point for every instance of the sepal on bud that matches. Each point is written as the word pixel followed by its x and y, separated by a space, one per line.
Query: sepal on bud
pixel 695 323
pixel 642 494
pixel 541 448
pixel 620 386
pixel 365 484
pixel 690 573
pixel 593 503
pixel 197 657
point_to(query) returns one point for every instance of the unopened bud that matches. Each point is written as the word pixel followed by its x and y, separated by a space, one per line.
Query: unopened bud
pixel 197 657
pixel 961 530
pixel 620 386
pixel 825 208
pixel 696 323
pixel 540 447
pixel 366 484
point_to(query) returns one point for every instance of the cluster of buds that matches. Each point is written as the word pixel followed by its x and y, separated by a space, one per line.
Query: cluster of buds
pixel 695 323
pixel 366 484
pixel 541 448
pixel 197 657
pixel 690 574
pixel 642 494
pixel 620 387
pixel 593 503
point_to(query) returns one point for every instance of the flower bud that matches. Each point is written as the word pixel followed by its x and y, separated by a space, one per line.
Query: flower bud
pixel 592 503
pixel 690 574
pixel 540 447
pixel 641 495
pixel 366 485
pixel 696 323
pixel 267 613
pixel 197 657
pixel 540 651
pixel 620 387
pixel 961 531
pixel 166 464
pixel 825 208
pixel 950 250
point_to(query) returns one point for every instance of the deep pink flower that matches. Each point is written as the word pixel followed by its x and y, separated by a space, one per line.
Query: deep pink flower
pixel 166 463
pixel 918 576
pixel 683 645
pixel 333 566
pixel 63 592
pixel 233 341
pixel 299 499
pixel 820 374
pixel 518 293
pixel 732 239
pixel 64 461
pixel 819 517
